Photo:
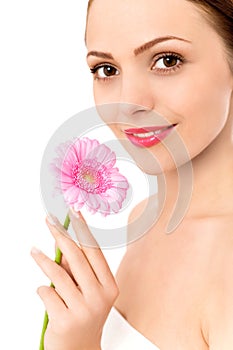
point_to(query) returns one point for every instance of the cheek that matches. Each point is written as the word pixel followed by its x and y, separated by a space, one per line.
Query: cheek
pixel 201 106
pixel 106 92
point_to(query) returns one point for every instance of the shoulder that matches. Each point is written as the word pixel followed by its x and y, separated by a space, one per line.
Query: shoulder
pixel 142 217
pixel 139 209
pixel 218 301
pixel 137 216
pixel 126 277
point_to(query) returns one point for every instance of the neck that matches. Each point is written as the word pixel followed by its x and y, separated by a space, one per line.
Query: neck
pixel 212 182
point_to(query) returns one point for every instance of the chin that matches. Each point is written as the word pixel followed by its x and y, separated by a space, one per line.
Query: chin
pixel 163 157
pixel 154 161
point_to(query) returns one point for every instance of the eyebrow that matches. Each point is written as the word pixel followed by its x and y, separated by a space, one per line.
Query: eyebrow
pixel 156 41
pixel 140 49
pixel 100 54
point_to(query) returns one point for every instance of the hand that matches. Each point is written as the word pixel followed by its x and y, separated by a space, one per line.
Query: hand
pixel 85 290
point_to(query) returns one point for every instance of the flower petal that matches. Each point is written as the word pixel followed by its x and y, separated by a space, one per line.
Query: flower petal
pixel 115 206
pixel 67 179
pixel 93 202
pixel 90 165
pixel 104 205
pixel 84 195
pixel 71 195
pixel 78 205
pixel 71 157
pixel 86 147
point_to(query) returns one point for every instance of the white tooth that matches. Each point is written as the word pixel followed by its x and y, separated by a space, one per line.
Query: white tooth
pixel 161 130
pixel 152 133
pixel 144 135
pixel 157 132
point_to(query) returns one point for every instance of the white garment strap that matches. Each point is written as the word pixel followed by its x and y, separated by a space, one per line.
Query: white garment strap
pixel 118 334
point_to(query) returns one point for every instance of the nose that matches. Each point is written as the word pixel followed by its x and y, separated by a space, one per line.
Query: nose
pixel 136 96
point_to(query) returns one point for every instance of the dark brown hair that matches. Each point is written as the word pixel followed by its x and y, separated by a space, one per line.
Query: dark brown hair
pixel 219 14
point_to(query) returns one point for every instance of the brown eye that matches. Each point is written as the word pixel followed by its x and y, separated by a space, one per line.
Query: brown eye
pixel 108 71
pixel 170 61
pixel 104 71
pixel 166 62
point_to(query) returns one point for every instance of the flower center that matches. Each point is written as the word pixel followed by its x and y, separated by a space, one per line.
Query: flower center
pixel 91 176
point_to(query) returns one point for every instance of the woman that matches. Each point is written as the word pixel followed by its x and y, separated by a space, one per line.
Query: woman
pixel 175 291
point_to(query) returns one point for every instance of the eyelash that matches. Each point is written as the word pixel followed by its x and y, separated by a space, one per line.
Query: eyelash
pixel 95 70
pixel 171 69
pixel 160 71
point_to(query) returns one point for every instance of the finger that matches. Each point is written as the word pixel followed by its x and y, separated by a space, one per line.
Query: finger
pixel 92 251
pixel 52 302
pixel 53 220
pixel 63 283
pixel 81 229
pixel 64 262
pixel 80 268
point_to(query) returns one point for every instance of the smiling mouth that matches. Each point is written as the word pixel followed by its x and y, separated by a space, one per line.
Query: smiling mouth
pixel 148 136
pixel 147 131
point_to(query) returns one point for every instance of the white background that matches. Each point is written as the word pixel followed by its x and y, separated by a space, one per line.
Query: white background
pixel 43 81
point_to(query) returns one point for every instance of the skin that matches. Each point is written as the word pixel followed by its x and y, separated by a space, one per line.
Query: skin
pixel 85 290
pixel 184 298
pixel 197 96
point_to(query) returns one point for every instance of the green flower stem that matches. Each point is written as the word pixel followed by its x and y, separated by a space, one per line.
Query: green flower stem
pixel 58 261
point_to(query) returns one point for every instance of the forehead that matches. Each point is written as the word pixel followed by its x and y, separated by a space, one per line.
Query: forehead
pixel 125 22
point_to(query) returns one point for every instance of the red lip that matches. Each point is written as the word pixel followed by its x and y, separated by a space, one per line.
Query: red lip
pixel 145 129
pixel 150 140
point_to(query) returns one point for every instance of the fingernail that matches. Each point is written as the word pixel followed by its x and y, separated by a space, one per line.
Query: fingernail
pixel 35 250
pixel 55 223
pixel 53 220
pixel 81 230
pixel 74 214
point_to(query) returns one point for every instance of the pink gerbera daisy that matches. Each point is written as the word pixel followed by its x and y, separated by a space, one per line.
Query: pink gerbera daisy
pixel 87 176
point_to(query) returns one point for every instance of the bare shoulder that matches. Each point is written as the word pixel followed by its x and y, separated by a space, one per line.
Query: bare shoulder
pixel 141 219
pixel 218 303
pixel 140 208
pixel 136 226
pixel 137 215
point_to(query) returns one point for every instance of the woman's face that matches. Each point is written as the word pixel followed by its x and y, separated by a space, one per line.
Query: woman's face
pixel 158 56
